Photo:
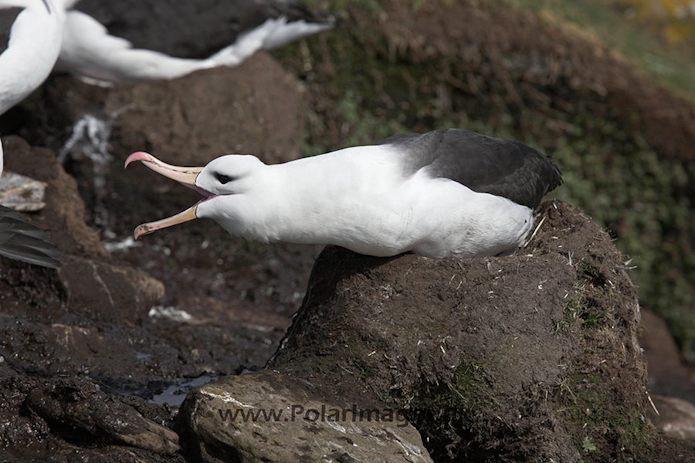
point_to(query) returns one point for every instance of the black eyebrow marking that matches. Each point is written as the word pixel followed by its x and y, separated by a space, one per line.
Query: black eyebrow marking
pixel 48 7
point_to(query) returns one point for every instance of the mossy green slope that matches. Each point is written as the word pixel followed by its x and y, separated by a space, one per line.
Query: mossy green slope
pixel 622 140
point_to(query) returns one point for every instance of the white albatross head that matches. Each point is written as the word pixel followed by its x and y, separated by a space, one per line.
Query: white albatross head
pixel 222 181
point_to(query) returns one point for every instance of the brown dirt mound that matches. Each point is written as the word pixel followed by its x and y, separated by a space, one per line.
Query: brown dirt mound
pixel 526 358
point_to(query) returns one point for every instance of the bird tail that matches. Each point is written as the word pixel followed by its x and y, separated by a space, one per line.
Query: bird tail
pixel 295 30
pixel 273 33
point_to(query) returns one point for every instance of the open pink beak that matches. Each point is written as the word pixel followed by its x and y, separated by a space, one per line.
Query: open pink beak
pixel 184 175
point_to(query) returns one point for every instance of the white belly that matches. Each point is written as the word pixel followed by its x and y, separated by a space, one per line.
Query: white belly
pixel 494 226
pixel 432 218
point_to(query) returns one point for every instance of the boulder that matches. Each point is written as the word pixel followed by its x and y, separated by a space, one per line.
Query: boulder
pixel 64 418
pixel 80 407
pixel 675 417
pixel 63 215
pixel 669 374
pixel 263 417
pixel 524 358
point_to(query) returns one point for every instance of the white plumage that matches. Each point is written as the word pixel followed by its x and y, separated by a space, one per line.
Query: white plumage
pixel 32 50
pixel 379 200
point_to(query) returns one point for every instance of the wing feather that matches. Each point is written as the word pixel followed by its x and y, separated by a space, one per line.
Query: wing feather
pixel 498 166
pixel 22 241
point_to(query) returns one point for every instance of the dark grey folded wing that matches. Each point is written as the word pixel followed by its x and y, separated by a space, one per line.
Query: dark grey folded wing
pixel 7 18
pixel 22 241
pixel 191 29
pixel 498 166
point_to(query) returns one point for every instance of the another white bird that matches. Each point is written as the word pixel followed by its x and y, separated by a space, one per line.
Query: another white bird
pixel 444 193
pixel 92 52
pixel 30 38
pixel 32 47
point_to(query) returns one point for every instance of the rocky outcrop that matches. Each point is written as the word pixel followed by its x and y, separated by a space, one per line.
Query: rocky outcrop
pixel 59 418
pixel 161 306
pixel 501 358
pixel 524 358
pixel 80 407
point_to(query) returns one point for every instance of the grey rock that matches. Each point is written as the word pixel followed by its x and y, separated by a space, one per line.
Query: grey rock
pixel 78 404
pixel 675 417
pixel 109 292
pixel 266 417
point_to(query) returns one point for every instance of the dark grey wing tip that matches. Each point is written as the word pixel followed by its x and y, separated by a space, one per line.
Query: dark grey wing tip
pixel 557 179
pixel 48 257
pixel 19 240
pixel 551 174
pixel 543 168
pixel 297 11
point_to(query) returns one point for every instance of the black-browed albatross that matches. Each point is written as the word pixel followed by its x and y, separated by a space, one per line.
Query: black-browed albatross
pixel 443 193
pixel 30 37
pixel 106 41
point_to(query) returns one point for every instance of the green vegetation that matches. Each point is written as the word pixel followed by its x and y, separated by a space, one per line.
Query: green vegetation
pixel 363 87
pixel 457 408
pixel 585 309
pixel 601 422
pixel 588 446
pixel 611 23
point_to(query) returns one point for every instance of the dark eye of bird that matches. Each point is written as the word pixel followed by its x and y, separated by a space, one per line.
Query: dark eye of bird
pixel 223 178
